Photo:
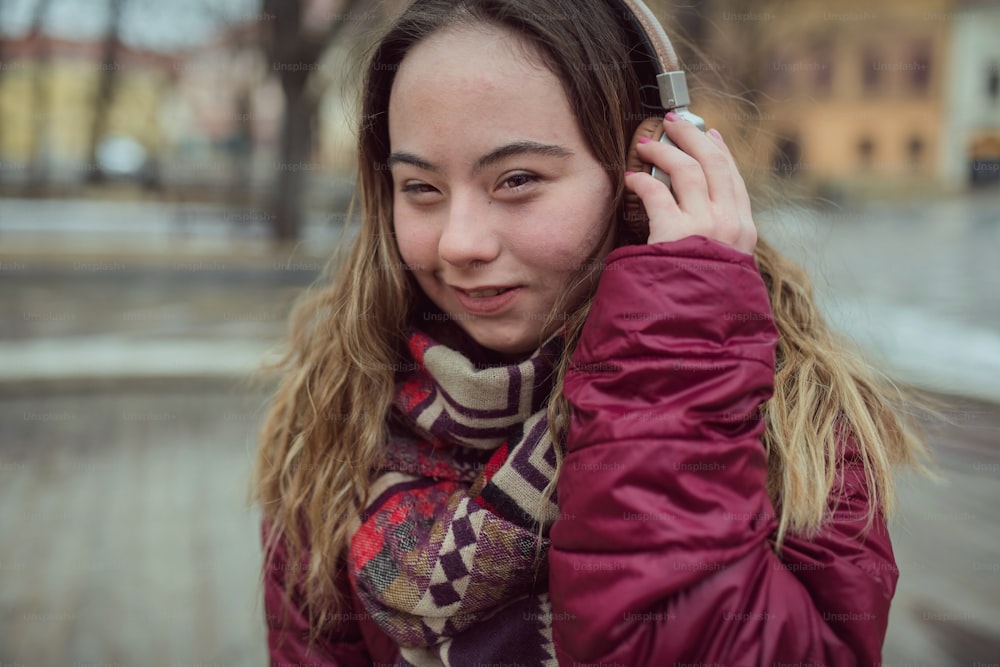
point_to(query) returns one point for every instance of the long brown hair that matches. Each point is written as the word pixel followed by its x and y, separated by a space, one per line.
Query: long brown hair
pixel 328 420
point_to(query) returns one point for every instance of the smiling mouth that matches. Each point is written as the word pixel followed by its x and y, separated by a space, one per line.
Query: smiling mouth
pixel 483 293
pixel 483 300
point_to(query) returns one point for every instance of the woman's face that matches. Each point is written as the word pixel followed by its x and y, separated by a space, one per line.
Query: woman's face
pixel 498 200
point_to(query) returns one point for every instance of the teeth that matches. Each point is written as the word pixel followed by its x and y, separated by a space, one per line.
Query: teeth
pixel 485 293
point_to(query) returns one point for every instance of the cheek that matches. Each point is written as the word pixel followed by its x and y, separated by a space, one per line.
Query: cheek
pixel 416 248
pixel 571 237
pixel 558 254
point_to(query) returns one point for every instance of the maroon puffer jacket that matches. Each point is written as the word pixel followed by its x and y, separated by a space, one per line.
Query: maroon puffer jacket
pixel 662 554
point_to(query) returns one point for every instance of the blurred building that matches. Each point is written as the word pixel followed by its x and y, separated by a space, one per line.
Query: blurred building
pixel 48 103
pixel 971 151
pixel 195 118
pixel 865 99
pixel 222 117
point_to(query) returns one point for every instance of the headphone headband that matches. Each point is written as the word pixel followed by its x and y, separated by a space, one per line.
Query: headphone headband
pixel 670 78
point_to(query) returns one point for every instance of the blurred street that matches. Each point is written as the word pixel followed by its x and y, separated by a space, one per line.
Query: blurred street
pixel 917 285
pixel 127 427
pixel 126 536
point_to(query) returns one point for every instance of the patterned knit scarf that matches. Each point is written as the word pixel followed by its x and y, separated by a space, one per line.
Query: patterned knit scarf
pixel 447 559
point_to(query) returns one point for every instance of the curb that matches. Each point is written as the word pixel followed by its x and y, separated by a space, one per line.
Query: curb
pixel 106 359
pixel 917 347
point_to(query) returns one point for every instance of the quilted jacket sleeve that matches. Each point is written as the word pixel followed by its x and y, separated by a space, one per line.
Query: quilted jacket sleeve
pixel 288 626
pixel 663 551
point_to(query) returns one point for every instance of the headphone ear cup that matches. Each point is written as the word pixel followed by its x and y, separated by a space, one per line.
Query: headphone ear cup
pixel 636 221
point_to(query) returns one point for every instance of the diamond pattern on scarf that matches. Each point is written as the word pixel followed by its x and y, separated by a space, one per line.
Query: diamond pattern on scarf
pixel 450 577
pixel 444 594
pixel 453 566
pixel 462 531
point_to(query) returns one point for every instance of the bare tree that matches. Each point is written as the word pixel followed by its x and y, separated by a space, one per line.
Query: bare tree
pixel 294 50
pixel 107 80
pixel 241 147
pixel 754 35
pixel 40 104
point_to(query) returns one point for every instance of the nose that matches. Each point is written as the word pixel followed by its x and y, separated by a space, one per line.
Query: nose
pixel 469 237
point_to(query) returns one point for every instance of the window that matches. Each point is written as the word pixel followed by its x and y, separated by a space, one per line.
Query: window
pixel 866 151
pixel 787 158
pixel 920 67
pixel 823 74
pixel 915 150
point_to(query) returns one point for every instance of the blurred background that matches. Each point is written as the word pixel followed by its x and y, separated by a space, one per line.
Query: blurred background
pixel 172 175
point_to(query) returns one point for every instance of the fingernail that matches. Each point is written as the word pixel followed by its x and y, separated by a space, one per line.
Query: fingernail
pixel 672 116
pixel 715 133
pixel 644 140
pixel 629 173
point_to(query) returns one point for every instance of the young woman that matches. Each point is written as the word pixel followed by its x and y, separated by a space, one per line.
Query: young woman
pixel 526 426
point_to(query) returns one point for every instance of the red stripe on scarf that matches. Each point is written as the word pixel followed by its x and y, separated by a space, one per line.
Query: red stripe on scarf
pixel 498 459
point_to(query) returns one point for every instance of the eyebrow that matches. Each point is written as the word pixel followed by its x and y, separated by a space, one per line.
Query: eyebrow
pixel 491 158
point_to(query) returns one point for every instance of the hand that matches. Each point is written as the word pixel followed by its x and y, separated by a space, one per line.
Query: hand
pixel 709 196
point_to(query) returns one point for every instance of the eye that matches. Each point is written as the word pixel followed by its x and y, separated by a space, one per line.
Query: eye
pixel 416 187
pixel 519 181
pixel 419 193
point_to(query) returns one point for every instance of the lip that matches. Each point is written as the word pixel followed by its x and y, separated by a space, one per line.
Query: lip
pixel 486 305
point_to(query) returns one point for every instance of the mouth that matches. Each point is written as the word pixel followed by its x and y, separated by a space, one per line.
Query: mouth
pixel 486 299
pixel 484 292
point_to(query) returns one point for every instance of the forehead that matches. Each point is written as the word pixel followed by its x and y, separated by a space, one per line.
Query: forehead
pixel 465 48
pixel 477 85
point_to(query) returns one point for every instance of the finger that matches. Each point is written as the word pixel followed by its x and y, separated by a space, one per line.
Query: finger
pixel 716 163
pixel 747 233
pixel 665 216
pixel 687 178
pixel 655 196
pixel 739 186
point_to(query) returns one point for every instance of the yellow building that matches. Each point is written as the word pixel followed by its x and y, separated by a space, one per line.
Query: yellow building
pixel 48 98
pixel 851 95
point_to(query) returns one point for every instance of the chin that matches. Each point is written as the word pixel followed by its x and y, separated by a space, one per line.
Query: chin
pixel 520 344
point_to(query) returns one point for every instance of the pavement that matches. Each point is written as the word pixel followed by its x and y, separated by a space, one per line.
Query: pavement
pixel 916 286
pixel 133 290
pixel 127 539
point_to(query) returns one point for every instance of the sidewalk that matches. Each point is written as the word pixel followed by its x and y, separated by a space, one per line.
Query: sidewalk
pixel 919 348
pixel 916 286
